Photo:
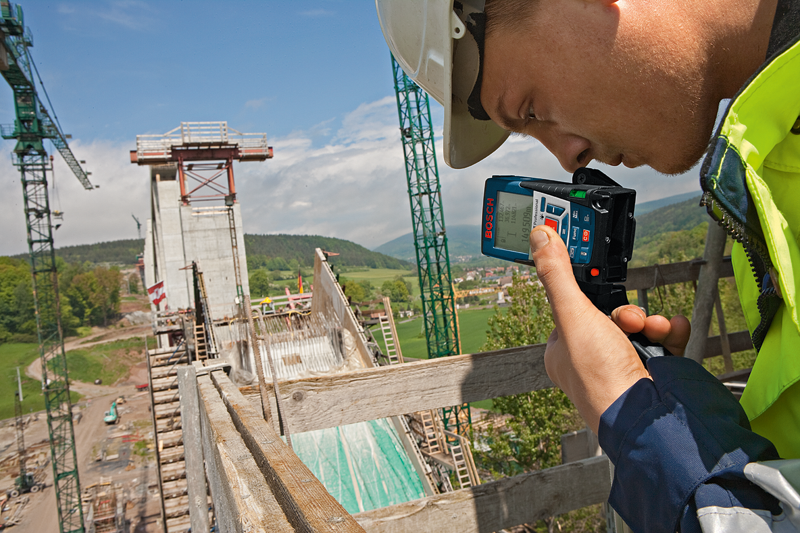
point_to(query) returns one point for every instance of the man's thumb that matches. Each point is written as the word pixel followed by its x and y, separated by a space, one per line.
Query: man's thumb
pixel 554 270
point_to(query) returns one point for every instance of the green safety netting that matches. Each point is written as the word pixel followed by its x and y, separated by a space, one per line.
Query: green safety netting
pixel 364 466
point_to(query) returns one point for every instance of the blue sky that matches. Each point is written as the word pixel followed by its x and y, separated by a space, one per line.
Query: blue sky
pixel 315 76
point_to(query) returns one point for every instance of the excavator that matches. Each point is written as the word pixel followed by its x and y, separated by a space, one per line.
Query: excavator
pixel 111 417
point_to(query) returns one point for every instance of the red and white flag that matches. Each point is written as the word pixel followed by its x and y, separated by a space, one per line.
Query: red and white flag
pixel 157 293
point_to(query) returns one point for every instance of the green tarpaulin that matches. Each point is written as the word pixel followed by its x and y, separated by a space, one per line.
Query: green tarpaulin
pixel 364 466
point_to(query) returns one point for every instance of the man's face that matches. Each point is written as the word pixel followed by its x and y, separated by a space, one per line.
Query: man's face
pixel 615 82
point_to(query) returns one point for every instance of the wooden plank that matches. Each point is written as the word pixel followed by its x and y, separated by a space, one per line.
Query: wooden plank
pixel 308 506
pixel 193 449
pixel 242 500
pixel 499 504
pixel 706 292
pixel 738 341
pixel 579 445
pixel 368 394
pixel 658 275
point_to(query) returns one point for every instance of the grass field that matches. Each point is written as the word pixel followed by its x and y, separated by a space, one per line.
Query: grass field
pixel 13 355
pixel 109 361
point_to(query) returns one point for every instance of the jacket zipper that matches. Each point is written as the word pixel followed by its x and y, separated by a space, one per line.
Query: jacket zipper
pixel 760 264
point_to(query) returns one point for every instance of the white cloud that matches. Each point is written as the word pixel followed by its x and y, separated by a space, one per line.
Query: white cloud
pixel 350 184
pixel 89 216
pixel 314 13
pixel 255 103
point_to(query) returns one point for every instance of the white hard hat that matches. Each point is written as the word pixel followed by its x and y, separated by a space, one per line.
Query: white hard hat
pixel 434 43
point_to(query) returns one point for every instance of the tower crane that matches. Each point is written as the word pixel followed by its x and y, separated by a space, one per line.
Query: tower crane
pixel 138 225
pixel 430 237
pixel 34 123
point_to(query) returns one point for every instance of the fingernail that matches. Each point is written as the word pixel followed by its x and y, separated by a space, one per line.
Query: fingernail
pixel 539 239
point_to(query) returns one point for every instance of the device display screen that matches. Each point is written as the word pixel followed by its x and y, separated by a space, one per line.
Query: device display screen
pixel 513 222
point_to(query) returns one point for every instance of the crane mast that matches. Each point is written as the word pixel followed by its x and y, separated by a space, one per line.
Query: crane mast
pixel 32 126
pixel 430 238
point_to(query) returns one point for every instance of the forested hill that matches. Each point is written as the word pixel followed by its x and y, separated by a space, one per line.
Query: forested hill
pixel 274 252
pixel 122 252
pixel 676 217
pixel 267 249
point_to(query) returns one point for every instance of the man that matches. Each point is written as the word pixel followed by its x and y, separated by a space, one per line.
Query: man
pixel 640 83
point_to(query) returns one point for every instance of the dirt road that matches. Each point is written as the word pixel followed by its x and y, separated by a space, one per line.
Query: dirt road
pixel 92 435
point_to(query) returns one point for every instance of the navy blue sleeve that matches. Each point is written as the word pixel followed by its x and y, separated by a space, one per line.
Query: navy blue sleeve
pixel 678 443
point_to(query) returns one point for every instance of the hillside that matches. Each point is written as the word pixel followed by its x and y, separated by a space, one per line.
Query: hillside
pixel 676 217
pixel 301 248
pixel 122 252
pixel 461 241
pixel 259 247
pixel 666 214
pixel 646 207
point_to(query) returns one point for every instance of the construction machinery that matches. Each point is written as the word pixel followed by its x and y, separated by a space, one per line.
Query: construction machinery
pixel 34 124
pixel 430 237
pixel 112 416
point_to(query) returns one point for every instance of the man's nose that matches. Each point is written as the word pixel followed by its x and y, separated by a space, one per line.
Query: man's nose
pixel 572 151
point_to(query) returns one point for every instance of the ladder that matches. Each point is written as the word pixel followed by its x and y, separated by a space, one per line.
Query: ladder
pixel 165 407
pixel 463 462
pixel 200 342
pixel 389 332
pixel 204 322
pixel 460 465
pixel 432 441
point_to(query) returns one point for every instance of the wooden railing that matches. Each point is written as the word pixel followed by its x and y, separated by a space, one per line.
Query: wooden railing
pixel 259 484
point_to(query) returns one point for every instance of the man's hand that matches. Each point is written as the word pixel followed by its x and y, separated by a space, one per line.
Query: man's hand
pixel 673 334
pixel 588 356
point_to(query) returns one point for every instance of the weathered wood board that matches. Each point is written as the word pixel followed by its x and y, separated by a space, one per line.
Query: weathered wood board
pixel 243 501
pixel 304 500
pixel 368 394
pixel 499 504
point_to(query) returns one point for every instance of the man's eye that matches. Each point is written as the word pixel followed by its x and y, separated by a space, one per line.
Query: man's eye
pixel 531 114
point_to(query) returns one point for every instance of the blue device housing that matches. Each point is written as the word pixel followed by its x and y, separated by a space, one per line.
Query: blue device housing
pixel 593 216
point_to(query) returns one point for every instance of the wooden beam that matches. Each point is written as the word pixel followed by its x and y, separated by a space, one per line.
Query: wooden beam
pixel 242 499
pixel 193 449
pixel 305 501
pixel 499 504
pixel 658 275
pixel 340 399
pixel 739 342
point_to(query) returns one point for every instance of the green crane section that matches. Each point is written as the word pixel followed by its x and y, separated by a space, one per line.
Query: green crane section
pixel 430 239
pixel 32 126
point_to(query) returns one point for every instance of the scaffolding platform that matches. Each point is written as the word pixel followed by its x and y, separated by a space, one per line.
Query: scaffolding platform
pixel 200 141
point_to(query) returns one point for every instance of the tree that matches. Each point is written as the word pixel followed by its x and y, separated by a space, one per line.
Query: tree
pixel 259 282
pixel 133 283
pixel 537 419
pixel 397 289
pixel 353 290
pixel 467 284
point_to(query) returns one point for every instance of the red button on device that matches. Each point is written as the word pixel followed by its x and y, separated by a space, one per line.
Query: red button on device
pixel 595 272
pixel 586 235
pixel 552 223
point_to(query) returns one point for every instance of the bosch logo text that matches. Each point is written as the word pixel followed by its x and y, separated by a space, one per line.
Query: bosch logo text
pixel 488 218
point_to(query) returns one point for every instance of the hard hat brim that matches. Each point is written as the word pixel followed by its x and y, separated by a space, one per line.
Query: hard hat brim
pixel 468 140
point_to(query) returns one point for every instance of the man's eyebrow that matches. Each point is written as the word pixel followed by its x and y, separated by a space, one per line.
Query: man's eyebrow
pixel 504 122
